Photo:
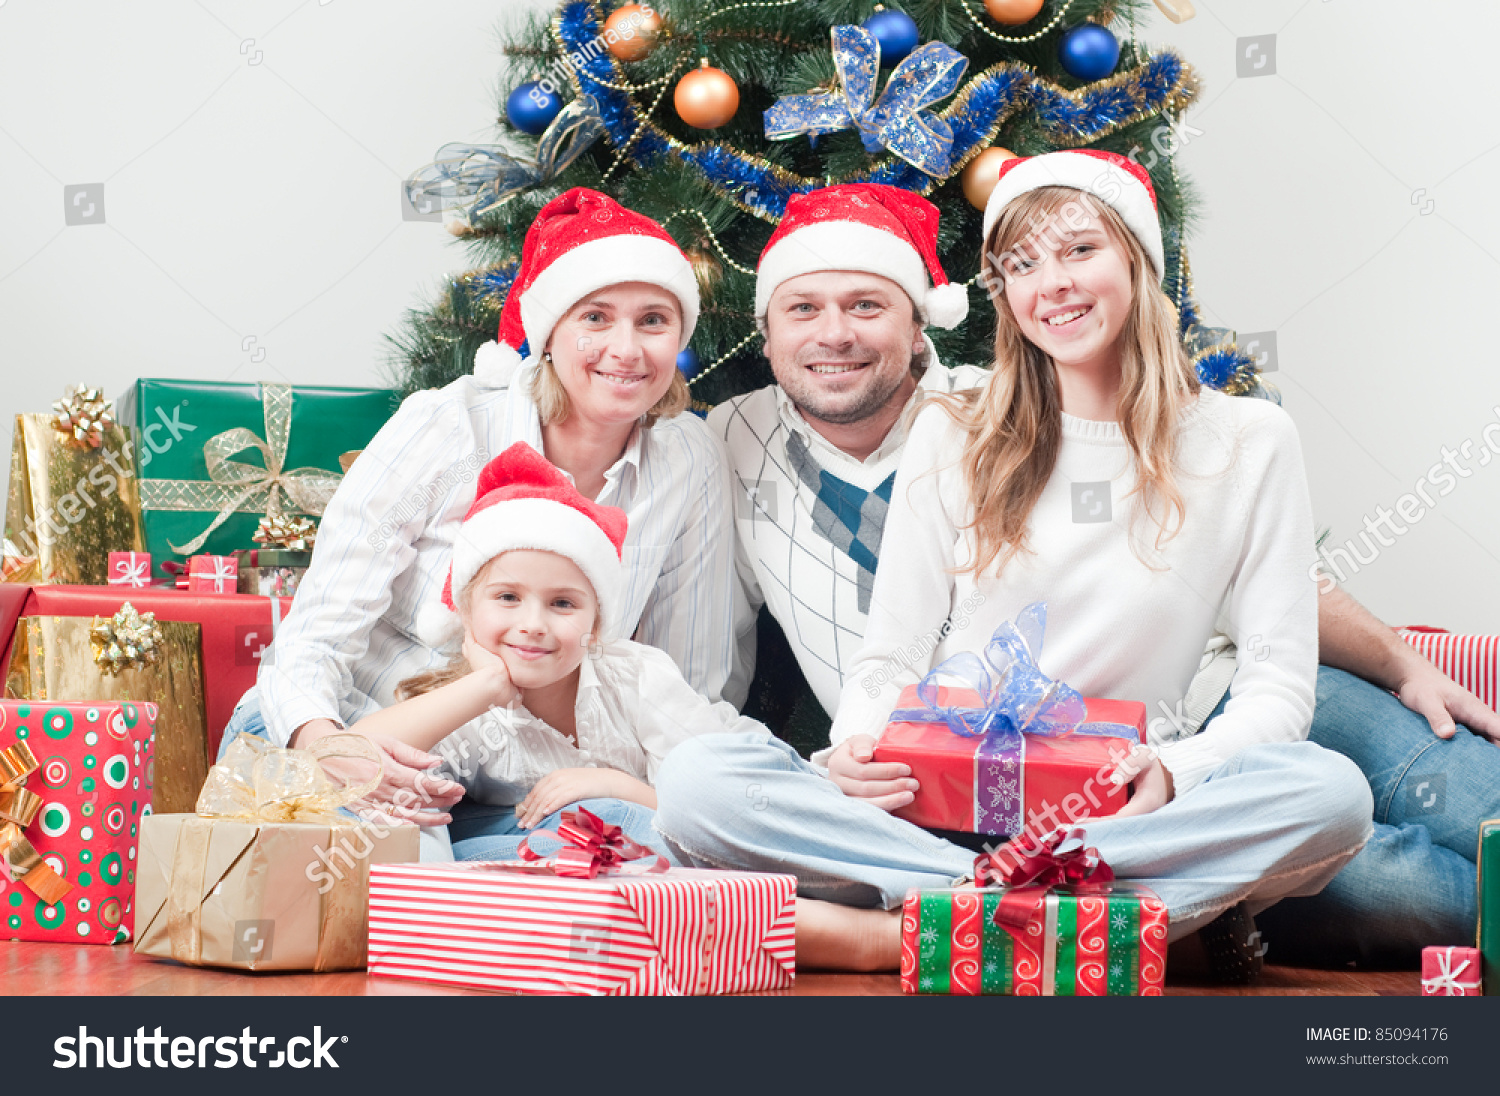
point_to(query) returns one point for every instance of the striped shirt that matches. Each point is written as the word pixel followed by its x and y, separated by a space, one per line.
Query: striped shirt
pixel 385 542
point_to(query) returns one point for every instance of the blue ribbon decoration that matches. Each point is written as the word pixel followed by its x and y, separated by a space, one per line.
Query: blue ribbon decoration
pixel 896 119
pixel 489 174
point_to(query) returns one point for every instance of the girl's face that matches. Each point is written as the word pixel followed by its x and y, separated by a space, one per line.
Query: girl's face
pixel 1069 288
pixel 536 610
pixel 615 351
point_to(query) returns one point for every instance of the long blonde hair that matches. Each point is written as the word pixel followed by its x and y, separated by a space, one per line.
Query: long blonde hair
pixel 1013 424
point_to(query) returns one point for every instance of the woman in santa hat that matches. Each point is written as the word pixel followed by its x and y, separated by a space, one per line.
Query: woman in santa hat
pixel 584 371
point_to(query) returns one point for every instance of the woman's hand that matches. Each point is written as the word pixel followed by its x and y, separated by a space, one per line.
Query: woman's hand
pixel 1148 777
pixel 561 787
pixel 490 668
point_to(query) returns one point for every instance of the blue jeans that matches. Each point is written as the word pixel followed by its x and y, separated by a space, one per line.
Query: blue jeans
pixel 1415 883
pixel 1273 822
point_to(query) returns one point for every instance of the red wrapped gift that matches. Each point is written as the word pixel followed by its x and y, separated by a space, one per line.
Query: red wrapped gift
pixel 1000 784
pixel 236 628
pixel 130 569
pixel 93 779
pixel 1450 972
pixel 213 574
pixel 1472 661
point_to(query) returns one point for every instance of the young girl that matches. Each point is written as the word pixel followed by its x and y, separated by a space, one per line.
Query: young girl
pixel 1090 472
pixel 545 707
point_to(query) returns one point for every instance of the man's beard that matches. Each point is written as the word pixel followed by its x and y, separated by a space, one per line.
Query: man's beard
pixel 870 400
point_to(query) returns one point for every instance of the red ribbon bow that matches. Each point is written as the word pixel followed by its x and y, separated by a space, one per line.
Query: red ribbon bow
pixel 590 846
pixel 1029 868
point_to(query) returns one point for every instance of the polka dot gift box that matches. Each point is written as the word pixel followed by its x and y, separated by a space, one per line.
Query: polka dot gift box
pixel 87 791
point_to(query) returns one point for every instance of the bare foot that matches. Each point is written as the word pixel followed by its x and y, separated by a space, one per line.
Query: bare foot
pixel 834 937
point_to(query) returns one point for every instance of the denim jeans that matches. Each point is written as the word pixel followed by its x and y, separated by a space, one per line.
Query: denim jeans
pixel 1275 821
pixel 1414 884
pixel 480 831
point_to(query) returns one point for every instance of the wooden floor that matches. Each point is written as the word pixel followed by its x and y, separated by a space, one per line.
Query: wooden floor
pixel 58 970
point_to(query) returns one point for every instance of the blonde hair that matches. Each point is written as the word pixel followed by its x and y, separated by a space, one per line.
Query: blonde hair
pixel 1013 424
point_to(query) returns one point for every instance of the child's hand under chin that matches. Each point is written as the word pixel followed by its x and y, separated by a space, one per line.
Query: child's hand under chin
pixel 491 668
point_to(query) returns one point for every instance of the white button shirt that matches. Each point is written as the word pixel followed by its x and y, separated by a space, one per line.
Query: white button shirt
pixel 385 541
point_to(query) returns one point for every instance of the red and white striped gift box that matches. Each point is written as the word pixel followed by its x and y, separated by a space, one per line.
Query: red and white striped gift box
pixel 504 926
pixel 1472 661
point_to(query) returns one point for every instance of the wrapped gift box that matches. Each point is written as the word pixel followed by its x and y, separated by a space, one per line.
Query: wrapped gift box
pixel 94 767
pixel 514 928
pixel 233 631
pixel 272 572
pixel 1450 972
pixel 258 895
pixel 213 575
pixel 68 506
pixel 1489 906
pixel 1472 661
pixel 204 450
pixel 995 784
pixel 131 569
pixel 1093 940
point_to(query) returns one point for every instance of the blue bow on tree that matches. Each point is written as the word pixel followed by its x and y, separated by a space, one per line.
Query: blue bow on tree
pixel 896 120
pixel 489 174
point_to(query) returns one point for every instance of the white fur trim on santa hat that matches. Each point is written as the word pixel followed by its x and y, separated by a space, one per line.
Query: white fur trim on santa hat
pixel 495 364
pixel 1108 182
pixel 607 261
pixel 549 526
pixel 841 245
pixel 439 627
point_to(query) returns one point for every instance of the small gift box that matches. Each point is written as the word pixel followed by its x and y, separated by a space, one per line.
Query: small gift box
pixel 75 785
pixel 997 747
pixel 272 572
pixel 130 569
pixel 1450 972
pixel 605 917
pixel 1489 906
pixel 1053 929
pixel 268 875
pixel 213 575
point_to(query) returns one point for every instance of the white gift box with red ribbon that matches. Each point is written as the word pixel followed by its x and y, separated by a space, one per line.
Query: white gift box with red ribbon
pixel 514 927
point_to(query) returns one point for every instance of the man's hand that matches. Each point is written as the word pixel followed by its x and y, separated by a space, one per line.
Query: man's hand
pixel 886 784
pixel 1150 779
pixel 1429 692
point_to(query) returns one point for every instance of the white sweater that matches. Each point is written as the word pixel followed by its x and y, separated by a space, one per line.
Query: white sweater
pixel 1117 628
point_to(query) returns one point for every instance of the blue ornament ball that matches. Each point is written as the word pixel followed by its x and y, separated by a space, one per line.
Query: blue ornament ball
pixel 1089 52
pixel 531 107
pixel 896 33
pixel 688 363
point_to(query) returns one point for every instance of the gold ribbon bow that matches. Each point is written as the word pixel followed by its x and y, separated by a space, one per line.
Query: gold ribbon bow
pixel 18 807
pixel 256 781
pixel 237 487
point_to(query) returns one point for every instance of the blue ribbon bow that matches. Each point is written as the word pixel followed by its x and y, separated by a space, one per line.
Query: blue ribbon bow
pixel 1016 697
pixel 896 120
pixel 489 174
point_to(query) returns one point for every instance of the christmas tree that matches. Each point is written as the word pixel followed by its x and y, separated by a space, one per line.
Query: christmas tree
pixel 666 111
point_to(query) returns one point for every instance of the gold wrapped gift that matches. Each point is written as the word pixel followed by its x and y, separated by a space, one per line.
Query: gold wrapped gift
pixel 268 875
pixel 70 503
pixel 57 658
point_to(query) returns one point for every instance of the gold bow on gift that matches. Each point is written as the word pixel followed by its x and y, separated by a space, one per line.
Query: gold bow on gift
pixel 256 781
pixel 295 534
pixel 236 487
pixel 18 807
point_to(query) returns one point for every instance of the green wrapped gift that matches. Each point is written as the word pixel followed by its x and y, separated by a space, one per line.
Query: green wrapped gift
pixel 1489 905
pixel 213 459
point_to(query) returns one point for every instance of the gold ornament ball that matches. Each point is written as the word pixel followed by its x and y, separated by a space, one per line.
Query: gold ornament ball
pixel 635 27
pixel 982 173
pixel 706 98
pixel 1012 12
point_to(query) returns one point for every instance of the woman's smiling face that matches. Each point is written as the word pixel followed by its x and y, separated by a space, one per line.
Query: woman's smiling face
pixel 615 351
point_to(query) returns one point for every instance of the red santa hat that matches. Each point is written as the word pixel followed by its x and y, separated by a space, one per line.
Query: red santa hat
pixel 523 501
pixel 582 241
pixel 867 227
pixel 1117 181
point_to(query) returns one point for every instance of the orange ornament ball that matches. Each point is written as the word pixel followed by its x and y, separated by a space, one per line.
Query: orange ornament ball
pixel 706 98
pixel 1012 12
pixel 982 173
pixel 631 31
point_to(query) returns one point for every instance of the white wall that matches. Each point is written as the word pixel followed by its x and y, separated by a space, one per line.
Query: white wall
pixel 251 191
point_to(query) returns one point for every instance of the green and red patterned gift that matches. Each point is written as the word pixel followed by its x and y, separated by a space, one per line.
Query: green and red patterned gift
pixel 214 459
pixel 90 789
pixel 1064 934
